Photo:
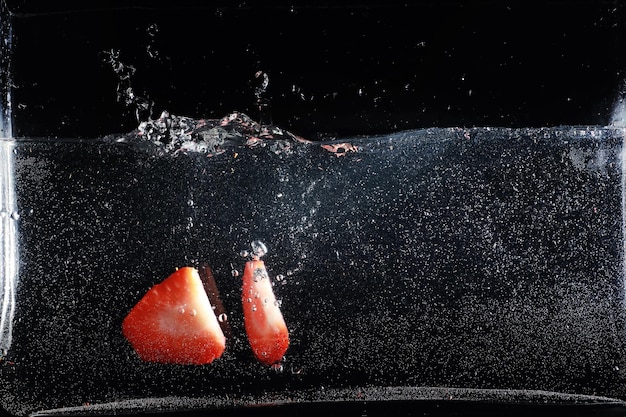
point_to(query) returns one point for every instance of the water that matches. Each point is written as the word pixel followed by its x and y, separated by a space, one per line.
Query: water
pixel 472 258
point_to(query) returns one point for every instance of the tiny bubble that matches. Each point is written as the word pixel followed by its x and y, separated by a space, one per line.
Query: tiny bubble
pixel 253 308
pixel 15 215
pixel 278 368
pixel 244 254
pixel 280 277
pixel 192 312
pixel 249 299
pixel 235 273
pixel 190 203
pixel 278 303
pixel 265 301
pixel 222 317
pixel 181 310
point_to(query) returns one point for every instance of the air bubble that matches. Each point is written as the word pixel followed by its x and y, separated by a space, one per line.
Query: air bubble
pixel 190 203
pixel 280 277
pixel 265 301
pixel 249 299
pixel 253 308
pixel 234 273
pixel 244 254
pixel 278 303
pixel 278 368
pixel 259 274
pixel 258 248
pixel 15 215
pixel 222 317
pixel 193 312
pixel 181 310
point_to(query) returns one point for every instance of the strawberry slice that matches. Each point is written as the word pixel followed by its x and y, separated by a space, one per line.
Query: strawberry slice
pixel 263 321
pixel 175 323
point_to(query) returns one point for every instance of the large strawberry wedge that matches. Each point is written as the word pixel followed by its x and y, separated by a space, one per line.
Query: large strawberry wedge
pixel 264 323
pixel 174 322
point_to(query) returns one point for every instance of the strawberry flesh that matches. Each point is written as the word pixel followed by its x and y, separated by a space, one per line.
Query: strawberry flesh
pixel 263 321
pixel 175 323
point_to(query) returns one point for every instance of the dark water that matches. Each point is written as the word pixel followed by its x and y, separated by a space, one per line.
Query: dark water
pixel 468 258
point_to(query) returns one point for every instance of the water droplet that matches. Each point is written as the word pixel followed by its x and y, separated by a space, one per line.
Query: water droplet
pixel 181 310
pixel 253 308
pixel 249 299
pixel 222 317
pixel 256 295
pixel 258 248
pixel 192 312
pixel 15 215
pixel 235 273
pixel 280 277
pixel 244 254
pixel 265 301
pixel 278 303
pixel 190 203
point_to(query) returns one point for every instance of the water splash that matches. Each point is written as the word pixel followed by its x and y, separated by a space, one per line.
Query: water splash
pixel 618 118
pixel 125 92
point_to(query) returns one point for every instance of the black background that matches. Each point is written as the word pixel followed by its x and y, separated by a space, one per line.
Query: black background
pixel 335 69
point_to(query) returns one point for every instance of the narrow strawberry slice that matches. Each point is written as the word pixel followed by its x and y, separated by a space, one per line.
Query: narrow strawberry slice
pixel 264 323
pixel 174 322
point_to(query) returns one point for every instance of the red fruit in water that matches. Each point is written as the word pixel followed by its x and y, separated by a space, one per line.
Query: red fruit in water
pixel 264 323
pixel 174 322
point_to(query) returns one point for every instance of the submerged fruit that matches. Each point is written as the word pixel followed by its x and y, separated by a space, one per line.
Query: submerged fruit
pixel 175 323
pixel 264 323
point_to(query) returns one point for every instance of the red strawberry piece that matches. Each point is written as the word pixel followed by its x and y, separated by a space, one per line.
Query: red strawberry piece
pixel 175 323
pixel 263 321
